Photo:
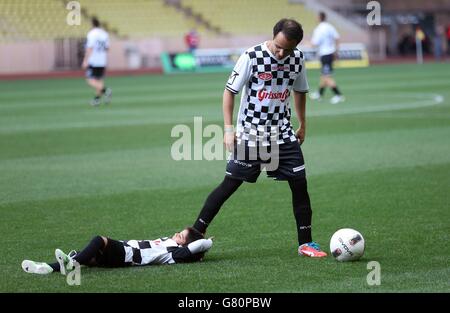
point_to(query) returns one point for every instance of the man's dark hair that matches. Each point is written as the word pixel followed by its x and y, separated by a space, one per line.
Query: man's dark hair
pixel 193 235
pixel 95 22
pixel 290 28
pixel 322 16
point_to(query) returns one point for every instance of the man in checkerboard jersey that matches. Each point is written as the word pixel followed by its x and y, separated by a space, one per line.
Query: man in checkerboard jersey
pixel 266 75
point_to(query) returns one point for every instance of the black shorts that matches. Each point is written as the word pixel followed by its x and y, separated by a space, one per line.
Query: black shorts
pixel 327 64
pixel 282 162
pixel 95 72
pixel 113 255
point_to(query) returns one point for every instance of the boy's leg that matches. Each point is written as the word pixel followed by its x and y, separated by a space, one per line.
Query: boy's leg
pixel 88 254
pixel 55 266
pixel 214 202
pixel 85 257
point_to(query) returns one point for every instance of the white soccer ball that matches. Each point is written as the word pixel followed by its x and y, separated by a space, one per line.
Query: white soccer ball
pixel 347 244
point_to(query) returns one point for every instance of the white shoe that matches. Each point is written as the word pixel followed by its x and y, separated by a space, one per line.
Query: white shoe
pixel 65 262
pixel 315 96
pixel 95 102
pixel 108 95
pixel 36 267
pixel 336 99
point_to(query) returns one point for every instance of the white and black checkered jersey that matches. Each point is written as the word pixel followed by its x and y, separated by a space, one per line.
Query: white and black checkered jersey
pixel 266 83
pixel 162 251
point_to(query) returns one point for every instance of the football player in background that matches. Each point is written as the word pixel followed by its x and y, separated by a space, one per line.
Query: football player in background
pixel 95 62
pixel 326 39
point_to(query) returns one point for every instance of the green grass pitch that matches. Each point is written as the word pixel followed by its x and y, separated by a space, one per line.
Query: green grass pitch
pixel 379 163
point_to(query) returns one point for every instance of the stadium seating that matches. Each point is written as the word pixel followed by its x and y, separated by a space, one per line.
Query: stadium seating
pixel 35 20
pixel 46 19
pixel 251 16
pixel 139 18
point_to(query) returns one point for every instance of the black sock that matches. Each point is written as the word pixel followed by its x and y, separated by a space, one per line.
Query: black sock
pixel 336 90
pixel 215 201
pixel 85 256
pixel 55 266
pixel 321 91
pixel 302 209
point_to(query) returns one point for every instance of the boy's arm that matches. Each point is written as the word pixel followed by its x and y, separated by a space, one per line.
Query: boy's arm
pixel 200 245
pixel 192 252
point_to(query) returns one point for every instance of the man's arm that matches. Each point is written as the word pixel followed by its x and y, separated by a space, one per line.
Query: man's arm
pixel 86 58
pixel 240 75
pixel 336 42
pixel 300 110
pixel 315 38
pixel 336 53
pixel 228 106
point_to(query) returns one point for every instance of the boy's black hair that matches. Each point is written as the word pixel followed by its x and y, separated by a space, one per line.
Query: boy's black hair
pixel 193 235
pixel 290 28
